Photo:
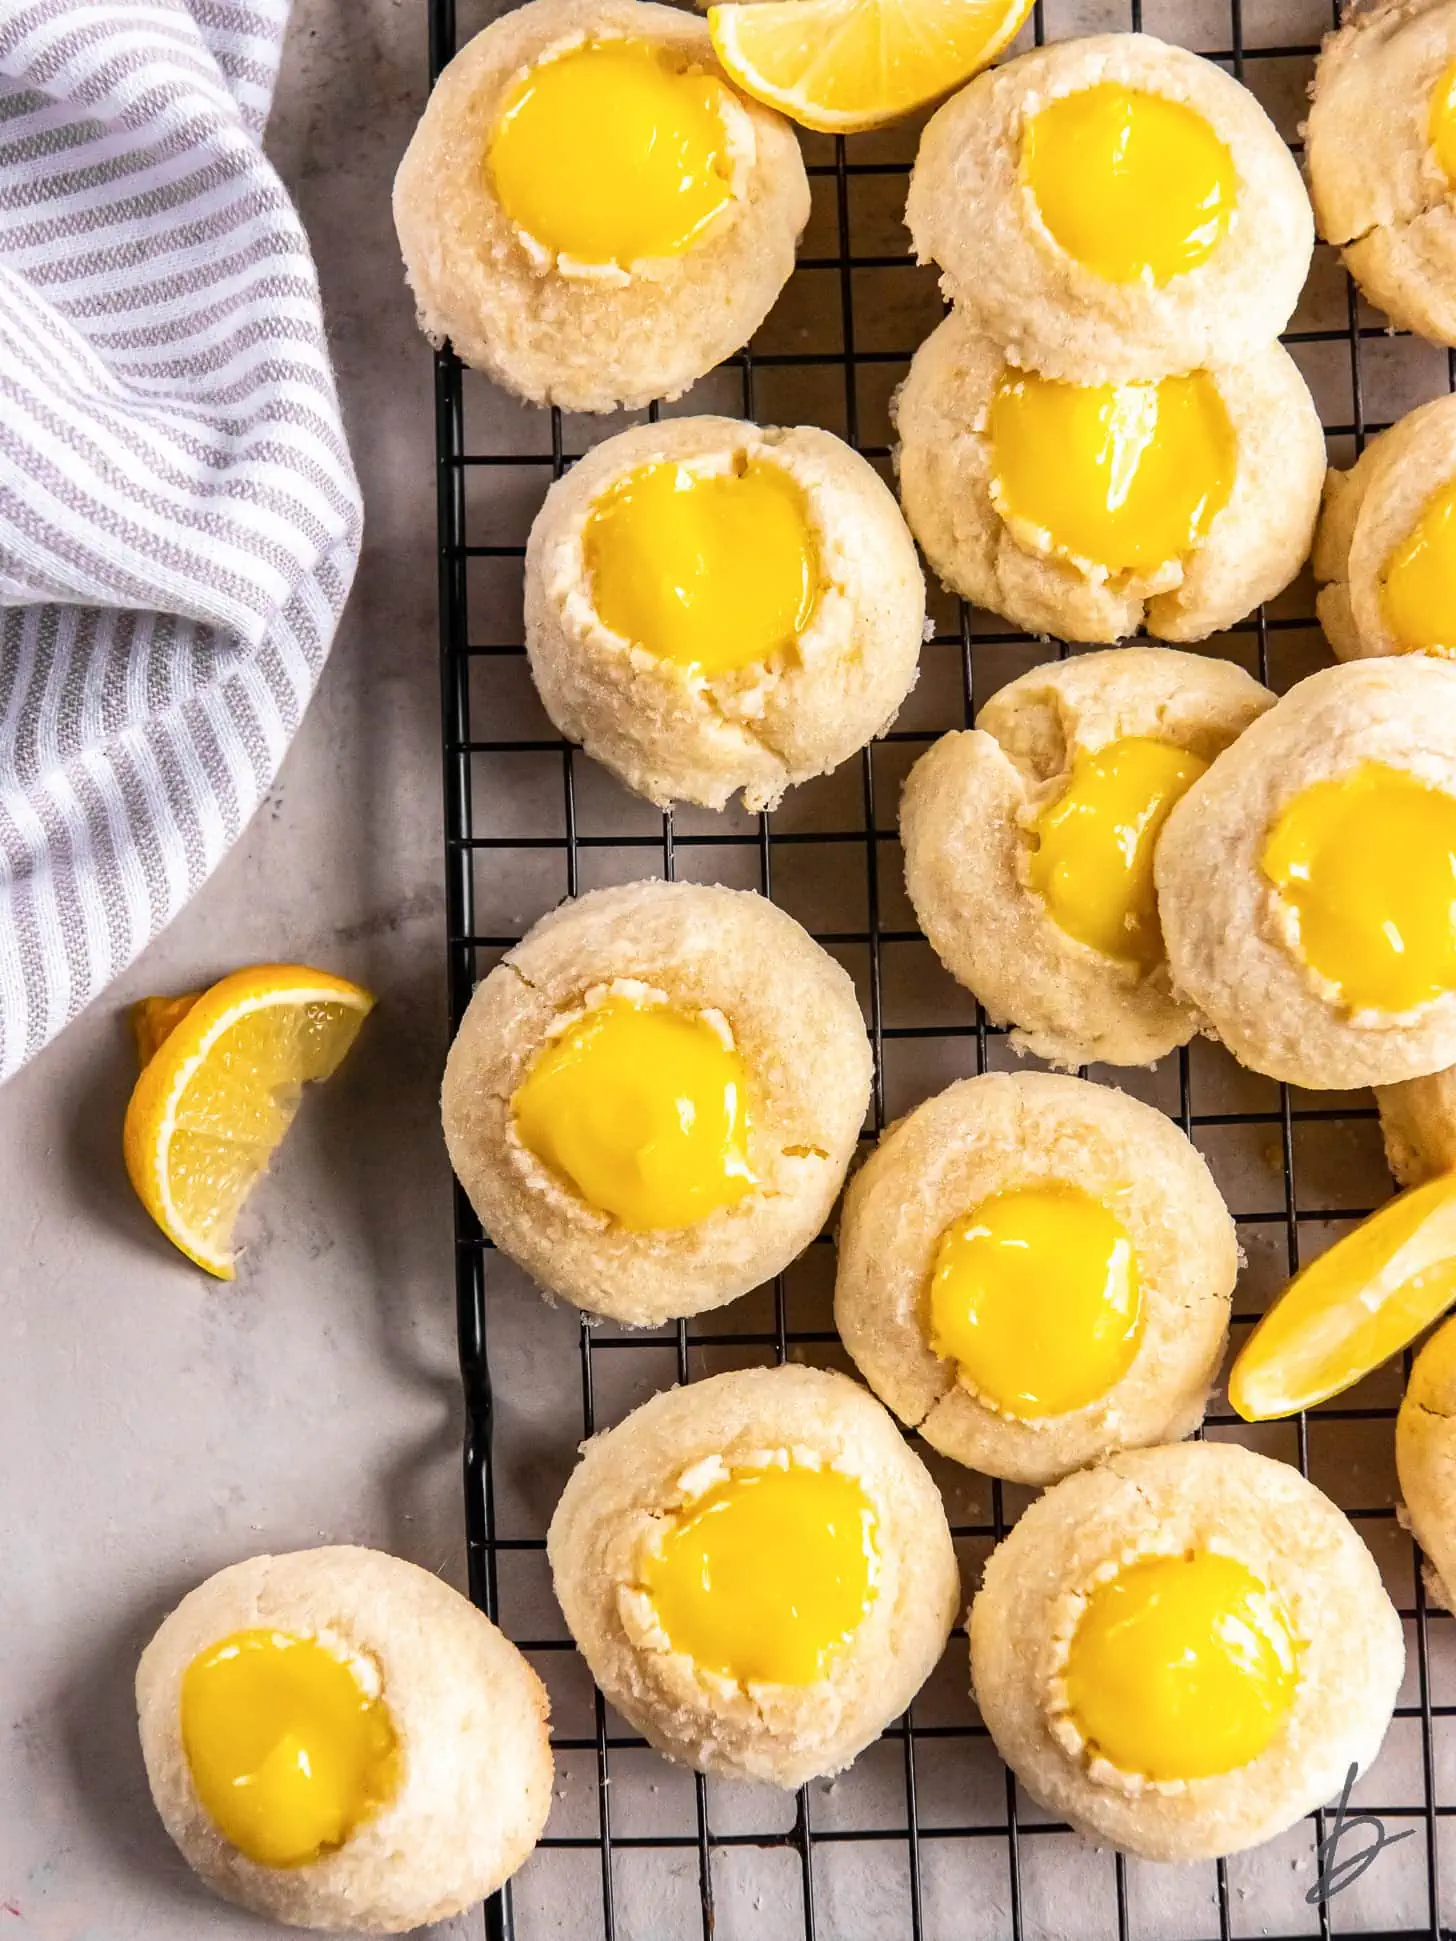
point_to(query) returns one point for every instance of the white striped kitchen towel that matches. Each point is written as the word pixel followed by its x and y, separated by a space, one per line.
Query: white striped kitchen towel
pixel 179 519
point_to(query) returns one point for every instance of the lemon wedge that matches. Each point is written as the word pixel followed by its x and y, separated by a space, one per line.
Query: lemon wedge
pixel 221 1078
pixel 156 1018
pixel 844 65
pixel 1360 1303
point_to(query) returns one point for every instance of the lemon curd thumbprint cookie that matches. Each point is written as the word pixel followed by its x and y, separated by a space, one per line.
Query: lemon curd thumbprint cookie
pixel 1183 1651
pixel 1385 552
pixel 1034 1271
pixel 589 211
pixel 1425 1458
pixel 1030 840
pixel 1381 150
pixel 1305 883
pixel 758 1570
pixel 336 1739
pixel 1418 1124
pixel 1112 209
pixel 1090 509
pixel 652 1100
pixel 712 608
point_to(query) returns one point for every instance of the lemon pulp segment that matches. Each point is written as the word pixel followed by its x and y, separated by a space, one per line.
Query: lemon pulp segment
pixel 1442 124
pixel 610 154
pixel 1367 863
pixel 839 65
pixel 287 1751
pixel 1123 476
pixel 1418 584
pixel 1181 1667
pixel 767 1574
pixel 1092 860
pixel 1136 187
pixel 642 1108
pixel 713 571
pixel 1035 1296
pixel 1361 1302
pixel 221 1086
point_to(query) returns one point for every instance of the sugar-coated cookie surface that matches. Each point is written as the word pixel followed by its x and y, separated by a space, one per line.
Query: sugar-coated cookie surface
pixel 794 1022
pixel 474 1768
pixel 1373 599
pixel 1238 944
pixel 1418 1124
pixel 970 818
pixel 1380 147
pixel 1263 1522
pixel 952 486
pixel 1009 1132
pixel 972 210
pixel 684 733
pixel 1425 1457
pixel 593 336
pixel 637 1480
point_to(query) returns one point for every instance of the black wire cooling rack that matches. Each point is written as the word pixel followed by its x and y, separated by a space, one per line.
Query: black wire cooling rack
pixel 928 1837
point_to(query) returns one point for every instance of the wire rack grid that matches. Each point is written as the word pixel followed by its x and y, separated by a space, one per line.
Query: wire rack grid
pixel 928 1837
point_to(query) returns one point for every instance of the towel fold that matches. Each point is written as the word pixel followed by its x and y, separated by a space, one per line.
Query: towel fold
pixel 179 518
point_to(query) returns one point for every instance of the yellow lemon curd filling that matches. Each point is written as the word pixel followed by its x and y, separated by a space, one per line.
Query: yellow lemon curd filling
pixel 1136 187
pixel 287 1750
pixel 1181 1667
pixel 1125 477
pixel 610 154
pixel 1441 126
pixel 1418 584
pixel 768 1574
pixel 1367 863
pixel 642 1108
pixel 1092 860
pixel 713 571
pixel 1034 1295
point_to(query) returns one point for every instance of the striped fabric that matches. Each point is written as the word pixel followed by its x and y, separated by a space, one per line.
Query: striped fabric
pixel 179 519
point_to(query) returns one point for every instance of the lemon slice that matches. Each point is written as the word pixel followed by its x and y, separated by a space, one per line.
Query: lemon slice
pixel 220 1084
pixel 842 65
pixel 1360 1303
pixel 156 1018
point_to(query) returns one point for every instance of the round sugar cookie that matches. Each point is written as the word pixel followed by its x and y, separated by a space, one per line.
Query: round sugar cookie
pixel 1385 552
pixel 589 211
pixel 1380 146
pixel 653 1098
pixel 715 609
pixel 1425 1458
pixel 335 1739
pixel 1029 844
pixel 1089 511
pixel 1305 882
pixel 1418 1124
pixel 758 1571
pixel 1183 1651
pixel 1112 208
pixel 1035 1271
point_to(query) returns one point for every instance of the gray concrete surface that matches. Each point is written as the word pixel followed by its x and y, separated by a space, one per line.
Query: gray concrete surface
pixel 155 1425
